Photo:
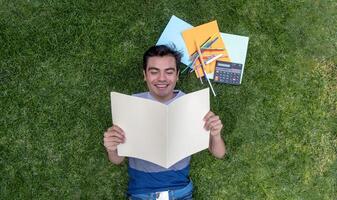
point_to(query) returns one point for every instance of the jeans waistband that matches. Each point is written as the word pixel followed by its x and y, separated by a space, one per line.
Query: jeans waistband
pixel 173 194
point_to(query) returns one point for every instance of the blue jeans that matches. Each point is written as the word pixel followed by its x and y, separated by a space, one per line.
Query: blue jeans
pixel 179 194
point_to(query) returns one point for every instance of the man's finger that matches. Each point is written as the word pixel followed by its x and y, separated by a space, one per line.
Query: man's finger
pixel 119 135
pixel 211 120
pixel 208 115
pixel 214 123
pixel 118 129
pixel 108 134
pixel 113 139
pixel 216 126
pixel 112 145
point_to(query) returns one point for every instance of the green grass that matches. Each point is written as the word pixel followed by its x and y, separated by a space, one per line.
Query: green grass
pixel 60 59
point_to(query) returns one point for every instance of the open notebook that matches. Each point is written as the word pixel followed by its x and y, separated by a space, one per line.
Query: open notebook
pixel 159 133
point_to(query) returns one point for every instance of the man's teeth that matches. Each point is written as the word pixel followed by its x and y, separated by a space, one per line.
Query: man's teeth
pixel 161 85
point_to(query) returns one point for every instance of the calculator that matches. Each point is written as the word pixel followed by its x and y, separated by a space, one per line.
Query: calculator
pixel 228 72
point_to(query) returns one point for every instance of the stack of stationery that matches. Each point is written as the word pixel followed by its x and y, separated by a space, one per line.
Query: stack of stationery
pixel 207 37
pixel 206 51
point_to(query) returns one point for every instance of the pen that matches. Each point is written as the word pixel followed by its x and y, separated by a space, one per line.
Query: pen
pixel 203 67
pixel 213 58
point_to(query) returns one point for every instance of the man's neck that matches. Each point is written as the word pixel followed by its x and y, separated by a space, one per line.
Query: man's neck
pixel 163 100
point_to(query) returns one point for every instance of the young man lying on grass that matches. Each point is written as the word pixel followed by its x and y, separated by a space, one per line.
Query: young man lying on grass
pixel 148 180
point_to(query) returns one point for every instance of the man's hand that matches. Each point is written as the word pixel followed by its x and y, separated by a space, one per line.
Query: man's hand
pixel 113 137
pixel 213 123
pixel 216 144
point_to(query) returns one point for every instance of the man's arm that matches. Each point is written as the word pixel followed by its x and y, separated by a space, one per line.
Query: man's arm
pixel 113 137
pixel 216 144
pixel 114 157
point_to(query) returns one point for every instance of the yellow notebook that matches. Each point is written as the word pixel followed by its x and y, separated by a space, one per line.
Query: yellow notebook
pixel 200 34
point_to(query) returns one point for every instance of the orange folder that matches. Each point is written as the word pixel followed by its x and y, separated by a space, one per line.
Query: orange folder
pixel 200 34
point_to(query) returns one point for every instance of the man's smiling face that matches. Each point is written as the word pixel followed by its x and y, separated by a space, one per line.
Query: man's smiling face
pixel 161 76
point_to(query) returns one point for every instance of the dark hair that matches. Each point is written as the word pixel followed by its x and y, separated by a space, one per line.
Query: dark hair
pixel 161 50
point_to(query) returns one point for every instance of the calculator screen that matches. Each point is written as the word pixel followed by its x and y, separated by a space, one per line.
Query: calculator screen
pixel 230 70
pixel 224 65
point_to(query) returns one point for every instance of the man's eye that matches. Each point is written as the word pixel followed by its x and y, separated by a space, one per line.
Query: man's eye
pixel 170 72
pixel 153 72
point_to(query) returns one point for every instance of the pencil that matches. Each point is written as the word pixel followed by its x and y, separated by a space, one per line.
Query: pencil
pixel 203 67
pixel 204 46
pixel 211 42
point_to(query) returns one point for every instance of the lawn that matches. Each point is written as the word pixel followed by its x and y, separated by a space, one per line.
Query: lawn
pixel 60 60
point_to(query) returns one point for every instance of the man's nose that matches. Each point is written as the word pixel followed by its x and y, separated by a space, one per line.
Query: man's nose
pixel 162 77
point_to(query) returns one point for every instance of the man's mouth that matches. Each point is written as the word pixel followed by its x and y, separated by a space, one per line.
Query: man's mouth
pixel 161 86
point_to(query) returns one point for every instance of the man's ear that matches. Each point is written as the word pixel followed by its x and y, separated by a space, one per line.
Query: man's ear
pixel 178 75
pixel 144 73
